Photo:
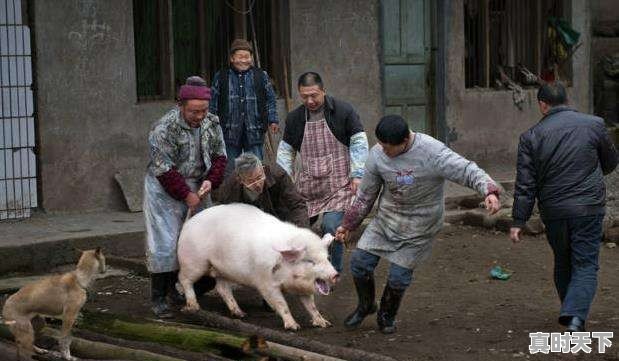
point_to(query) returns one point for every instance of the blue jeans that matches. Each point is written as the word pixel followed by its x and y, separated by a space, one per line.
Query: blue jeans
pixel 330 222
pixel 233 152
pixel 576 246
pixel 363 263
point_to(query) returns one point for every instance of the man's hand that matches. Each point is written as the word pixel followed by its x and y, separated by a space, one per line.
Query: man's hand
pixel 274 128
pixel 192 200
pixel 205 188
pixel 492 204
pixel 354 184
pixel 514 234
pixel 341 234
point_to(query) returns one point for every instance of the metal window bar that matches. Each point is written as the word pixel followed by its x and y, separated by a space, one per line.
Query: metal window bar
pixel 17 140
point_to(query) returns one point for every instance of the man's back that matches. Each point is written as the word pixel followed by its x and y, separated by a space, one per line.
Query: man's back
pixel 568 154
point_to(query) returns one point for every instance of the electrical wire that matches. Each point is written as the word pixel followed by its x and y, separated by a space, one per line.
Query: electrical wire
pixel 251 5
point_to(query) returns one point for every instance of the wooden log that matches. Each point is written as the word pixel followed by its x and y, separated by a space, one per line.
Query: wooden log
pixel 210 319
pixel 193 338
pixel 95 350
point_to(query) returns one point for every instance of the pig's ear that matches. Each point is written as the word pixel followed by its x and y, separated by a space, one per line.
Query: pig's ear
pixel 327 239
pixel 291 254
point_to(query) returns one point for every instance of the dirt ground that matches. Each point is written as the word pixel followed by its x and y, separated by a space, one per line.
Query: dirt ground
pixel 453 310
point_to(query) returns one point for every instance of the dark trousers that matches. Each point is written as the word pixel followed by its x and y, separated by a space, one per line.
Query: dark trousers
pixel 576 246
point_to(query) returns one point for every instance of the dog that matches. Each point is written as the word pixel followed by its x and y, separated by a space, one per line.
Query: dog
pixel 59 296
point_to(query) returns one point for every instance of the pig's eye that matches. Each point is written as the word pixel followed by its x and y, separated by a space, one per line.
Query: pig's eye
pixel 309 261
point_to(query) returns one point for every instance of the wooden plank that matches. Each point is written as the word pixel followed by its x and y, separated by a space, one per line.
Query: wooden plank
pixel 412 30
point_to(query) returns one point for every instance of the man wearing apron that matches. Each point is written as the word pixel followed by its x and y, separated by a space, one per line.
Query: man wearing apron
pixel 408 170
pixel 329 136
pixel 187 161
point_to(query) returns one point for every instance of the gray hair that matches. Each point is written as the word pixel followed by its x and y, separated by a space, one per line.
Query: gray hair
pixel 246 163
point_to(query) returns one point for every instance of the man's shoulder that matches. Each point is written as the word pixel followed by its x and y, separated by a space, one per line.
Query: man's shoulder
pixel 168 120
pixel 340 106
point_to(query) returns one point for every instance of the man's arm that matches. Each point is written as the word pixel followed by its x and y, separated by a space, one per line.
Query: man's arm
pixel 606 151
pixel 214 102
pixel 285 156
pixel 270 99
pixel 369 189
pixel 163 166
pixel 217 150
pixel 525 189
pixel 454 167
pixel 358 154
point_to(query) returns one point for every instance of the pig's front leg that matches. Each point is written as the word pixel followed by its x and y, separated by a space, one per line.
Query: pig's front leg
pixel 276 300
pixel 310 306
pixel 224 289
pixel 190 296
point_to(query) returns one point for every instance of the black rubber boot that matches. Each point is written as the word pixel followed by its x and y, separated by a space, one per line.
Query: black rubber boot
pixel 176 298
pixel 159 283
pixel 389 304
pixel 366 304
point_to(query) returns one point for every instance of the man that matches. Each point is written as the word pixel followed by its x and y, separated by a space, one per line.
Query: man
pixel 333 147
pixel 408 170
pixel 268 188
pixel 244 100
pixel 562 161
pixel 187 161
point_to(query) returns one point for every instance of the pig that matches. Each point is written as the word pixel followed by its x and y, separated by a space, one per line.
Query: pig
pixel 240 244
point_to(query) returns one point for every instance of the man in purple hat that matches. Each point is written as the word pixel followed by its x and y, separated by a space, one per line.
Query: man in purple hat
pixel 244 100
pixel 187 161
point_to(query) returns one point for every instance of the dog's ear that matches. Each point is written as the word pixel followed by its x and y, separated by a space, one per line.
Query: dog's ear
pixel 98 251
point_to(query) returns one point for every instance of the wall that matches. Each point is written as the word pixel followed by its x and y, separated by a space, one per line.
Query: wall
pixel 485 124
pixel 605 10
pixel 89 123
pixel 340 41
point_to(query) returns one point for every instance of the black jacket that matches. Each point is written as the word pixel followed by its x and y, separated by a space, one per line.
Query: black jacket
pixel 562 161
pixel 340 116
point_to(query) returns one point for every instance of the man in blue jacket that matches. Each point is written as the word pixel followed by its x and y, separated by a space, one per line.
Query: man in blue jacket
pixel 562 161
pixel 243 98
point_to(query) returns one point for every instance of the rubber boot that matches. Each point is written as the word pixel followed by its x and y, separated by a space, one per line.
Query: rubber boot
pixel 389 304
pixel 366 304
pixel 159 283
pixel 176 298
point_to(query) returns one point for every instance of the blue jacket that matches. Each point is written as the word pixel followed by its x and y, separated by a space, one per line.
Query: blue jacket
pixel 243 115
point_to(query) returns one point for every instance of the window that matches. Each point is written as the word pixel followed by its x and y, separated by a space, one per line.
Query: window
pixel 510 42
pixel 178 38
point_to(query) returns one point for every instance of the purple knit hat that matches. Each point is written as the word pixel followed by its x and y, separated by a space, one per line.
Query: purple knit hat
pixel 194 88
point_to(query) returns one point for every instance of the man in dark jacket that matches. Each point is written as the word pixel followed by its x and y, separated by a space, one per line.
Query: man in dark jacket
pixel 244 100
pixel 562 161
pixel 268 188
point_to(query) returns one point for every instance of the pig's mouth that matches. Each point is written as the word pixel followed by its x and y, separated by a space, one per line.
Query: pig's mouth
pixel 322 286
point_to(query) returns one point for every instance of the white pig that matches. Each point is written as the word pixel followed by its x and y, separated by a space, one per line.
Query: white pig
pixel 238 243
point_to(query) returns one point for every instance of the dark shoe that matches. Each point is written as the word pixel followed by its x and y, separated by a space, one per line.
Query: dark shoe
pixel 176 298
pixel 389 304
pixel 575 325
pixel 366 304
pixel 158 290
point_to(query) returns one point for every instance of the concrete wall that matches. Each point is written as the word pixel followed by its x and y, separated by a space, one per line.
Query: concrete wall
pixel 605 10
pixel 485 122
pixel 340 41
pixel 89 123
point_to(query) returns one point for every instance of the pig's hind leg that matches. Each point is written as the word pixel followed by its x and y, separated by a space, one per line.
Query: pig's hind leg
pixel 276 300
pixel 187 277
pixel 224 288
pixel 310 306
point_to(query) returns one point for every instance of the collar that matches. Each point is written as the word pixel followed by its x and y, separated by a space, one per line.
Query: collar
pixel 241 72
pixel 557 109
